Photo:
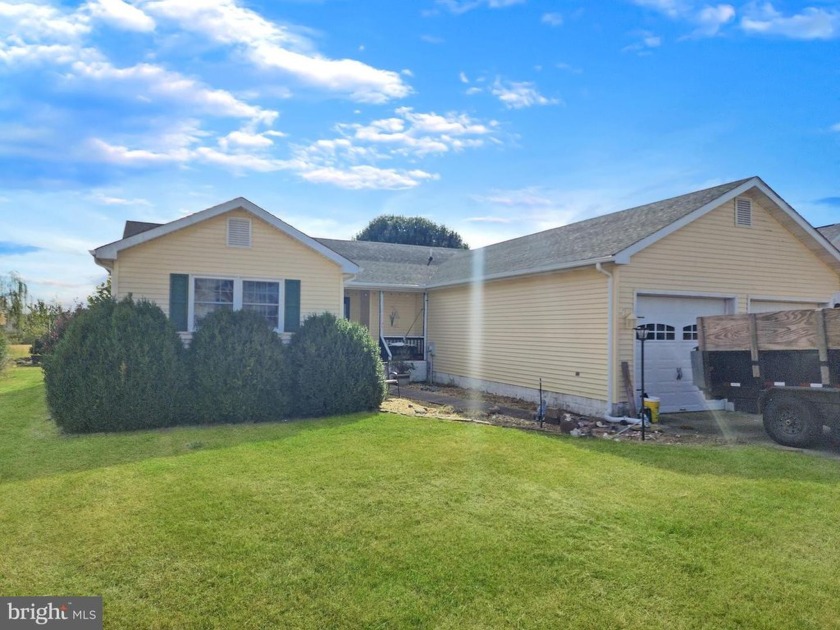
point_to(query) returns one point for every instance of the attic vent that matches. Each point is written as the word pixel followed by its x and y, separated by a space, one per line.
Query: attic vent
pixel 239 233
pixel 743 212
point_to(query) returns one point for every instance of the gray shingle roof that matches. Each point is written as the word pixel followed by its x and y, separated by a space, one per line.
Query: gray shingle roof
pixel 389 264
pixel 392 264
pixel 832 233
pixel 599 237
pixel 136 227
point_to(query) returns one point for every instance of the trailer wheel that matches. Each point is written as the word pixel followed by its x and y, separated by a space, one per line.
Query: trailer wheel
pixel 791 421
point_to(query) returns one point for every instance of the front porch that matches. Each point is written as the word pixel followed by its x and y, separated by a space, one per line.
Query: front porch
pixel 395 319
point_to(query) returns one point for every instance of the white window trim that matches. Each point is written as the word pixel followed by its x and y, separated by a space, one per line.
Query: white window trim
pixel 237 296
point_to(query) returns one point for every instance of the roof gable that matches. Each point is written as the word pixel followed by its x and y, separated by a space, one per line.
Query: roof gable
pixel 139 232
pixel 616 237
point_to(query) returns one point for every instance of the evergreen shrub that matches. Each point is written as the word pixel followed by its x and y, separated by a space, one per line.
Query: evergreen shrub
pixel 117 367
pixel 333 368
pixel 236 365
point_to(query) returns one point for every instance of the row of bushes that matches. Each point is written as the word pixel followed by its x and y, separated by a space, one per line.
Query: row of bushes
pixel 122 366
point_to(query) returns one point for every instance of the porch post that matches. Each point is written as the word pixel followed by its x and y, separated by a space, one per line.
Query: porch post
pixel 425 325
pixel 381 307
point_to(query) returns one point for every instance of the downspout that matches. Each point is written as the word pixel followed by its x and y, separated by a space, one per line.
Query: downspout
pixel 610 353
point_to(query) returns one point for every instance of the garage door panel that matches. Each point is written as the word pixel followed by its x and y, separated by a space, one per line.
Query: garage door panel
pixel 668 373
pixel 770 306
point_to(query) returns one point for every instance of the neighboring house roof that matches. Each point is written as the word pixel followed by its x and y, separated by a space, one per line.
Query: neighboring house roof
pixel 616 237
pixel 108 253
pixel 384 265
pixel 832 233
pixel 136 227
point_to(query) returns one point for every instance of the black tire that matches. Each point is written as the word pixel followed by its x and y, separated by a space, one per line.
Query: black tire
pixel 792 422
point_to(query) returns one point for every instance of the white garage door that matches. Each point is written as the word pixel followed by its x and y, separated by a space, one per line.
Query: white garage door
pixel 672 326
pixel 769 306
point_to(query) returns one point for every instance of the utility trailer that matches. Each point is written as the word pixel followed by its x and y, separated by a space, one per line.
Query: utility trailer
pixel 784 365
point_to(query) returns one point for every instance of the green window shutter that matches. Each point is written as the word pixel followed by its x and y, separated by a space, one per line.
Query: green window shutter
pixel 179 292
pixel 291 309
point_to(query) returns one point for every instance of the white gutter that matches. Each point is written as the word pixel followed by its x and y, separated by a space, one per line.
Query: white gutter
pixel 610 353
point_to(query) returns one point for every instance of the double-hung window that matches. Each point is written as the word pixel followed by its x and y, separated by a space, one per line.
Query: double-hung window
pixel 194 297
pixel 263 298
pixel 213 294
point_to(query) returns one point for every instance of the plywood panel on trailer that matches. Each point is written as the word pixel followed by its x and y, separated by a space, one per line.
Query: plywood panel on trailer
pixel 782 330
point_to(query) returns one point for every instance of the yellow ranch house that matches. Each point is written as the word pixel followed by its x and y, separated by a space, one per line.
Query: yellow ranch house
pixel 560 305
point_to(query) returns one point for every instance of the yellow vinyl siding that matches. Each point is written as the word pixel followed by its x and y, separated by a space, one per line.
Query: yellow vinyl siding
pixel 408 308
pixel 711 256
pixel 551 326
pixel 202 249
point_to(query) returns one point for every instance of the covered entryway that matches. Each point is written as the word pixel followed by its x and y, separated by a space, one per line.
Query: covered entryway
pixel 672 335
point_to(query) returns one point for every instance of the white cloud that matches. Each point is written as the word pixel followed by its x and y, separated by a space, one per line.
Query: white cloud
pixel 462 6
pixel 121 15
pixel 462 77
pixel 417 134
pixel 568 68
pixel 518 95
pixel 811 23
pixel 106 199
pixel 367 177
pixel 708 19
pixel 836 127
pixel 552 19
pixel 246 140
pixel 35 22
pixel 150 79
pixel 647 42
pixel 671 8
pixel 274 47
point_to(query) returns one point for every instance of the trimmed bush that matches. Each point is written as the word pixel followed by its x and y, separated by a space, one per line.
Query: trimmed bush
pixel 236 364
pixel 334 368
pixel 4 350
pixel 118 366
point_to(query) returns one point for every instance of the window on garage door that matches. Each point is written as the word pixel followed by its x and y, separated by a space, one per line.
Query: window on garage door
pixel 659 332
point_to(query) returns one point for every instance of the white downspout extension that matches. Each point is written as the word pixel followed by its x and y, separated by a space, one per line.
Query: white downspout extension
pixel 610 354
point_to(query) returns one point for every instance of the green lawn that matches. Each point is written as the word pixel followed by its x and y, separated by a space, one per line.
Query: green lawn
pixel 386 521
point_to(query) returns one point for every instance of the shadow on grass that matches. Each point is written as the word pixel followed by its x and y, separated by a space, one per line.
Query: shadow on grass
pixel 31 445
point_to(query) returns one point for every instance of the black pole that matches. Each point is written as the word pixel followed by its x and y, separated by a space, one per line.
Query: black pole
pixel 644 411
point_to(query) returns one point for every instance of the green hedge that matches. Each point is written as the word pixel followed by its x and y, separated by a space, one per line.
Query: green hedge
pixel 333 368
pixel 4 350
pixel 236 365
pixel 119 366
pixel 122 366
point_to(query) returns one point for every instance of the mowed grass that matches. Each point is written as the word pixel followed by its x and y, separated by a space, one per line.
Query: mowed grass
pixel 377 520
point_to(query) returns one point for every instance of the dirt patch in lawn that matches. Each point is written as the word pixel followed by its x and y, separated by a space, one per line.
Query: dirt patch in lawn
pixel 453 403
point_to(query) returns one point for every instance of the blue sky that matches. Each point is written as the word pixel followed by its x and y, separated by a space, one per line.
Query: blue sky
pixel 496 117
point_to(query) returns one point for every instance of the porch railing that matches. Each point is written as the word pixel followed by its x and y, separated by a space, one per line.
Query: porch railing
pixel 405 348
